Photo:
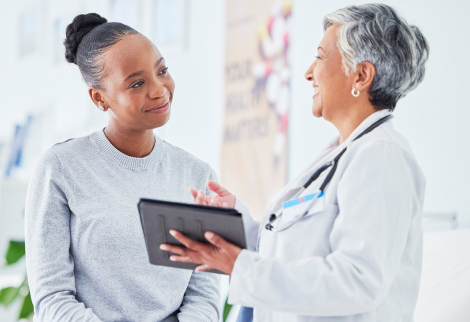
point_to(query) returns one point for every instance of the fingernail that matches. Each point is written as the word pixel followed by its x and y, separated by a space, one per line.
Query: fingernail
pixel 172 232
pixel 172 258
pixel 162 247
pixel 209 234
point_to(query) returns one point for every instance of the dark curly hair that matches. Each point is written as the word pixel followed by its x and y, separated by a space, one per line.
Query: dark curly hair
pixel 87 38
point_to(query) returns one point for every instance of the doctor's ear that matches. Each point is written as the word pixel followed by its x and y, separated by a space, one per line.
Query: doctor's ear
pixel 97 98
pixel 364 76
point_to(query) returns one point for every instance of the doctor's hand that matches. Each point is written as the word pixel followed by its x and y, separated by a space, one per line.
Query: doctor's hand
pixel 223 198
pixel 218 254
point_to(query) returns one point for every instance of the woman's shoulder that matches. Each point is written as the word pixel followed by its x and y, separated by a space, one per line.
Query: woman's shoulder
pixel 178 156
pixel 69 149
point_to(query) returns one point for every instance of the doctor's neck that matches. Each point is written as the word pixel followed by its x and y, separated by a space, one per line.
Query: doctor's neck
pixel 350 119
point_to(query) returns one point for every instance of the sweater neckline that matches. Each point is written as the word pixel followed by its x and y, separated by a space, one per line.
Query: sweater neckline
pixel 124 160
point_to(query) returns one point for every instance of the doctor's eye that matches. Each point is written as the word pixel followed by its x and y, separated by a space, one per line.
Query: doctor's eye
pixel 163 71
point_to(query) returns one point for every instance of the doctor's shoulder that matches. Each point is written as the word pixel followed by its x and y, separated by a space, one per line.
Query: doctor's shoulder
pixel 385 147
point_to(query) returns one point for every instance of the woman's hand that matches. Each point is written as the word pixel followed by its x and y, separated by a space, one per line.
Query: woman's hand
pixel 219 254
pixel 223 198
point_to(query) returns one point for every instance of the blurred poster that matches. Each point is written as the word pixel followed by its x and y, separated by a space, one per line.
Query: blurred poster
pixel 257 100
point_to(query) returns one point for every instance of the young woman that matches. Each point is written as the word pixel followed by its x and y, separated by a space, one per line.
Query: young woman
pixel 85 249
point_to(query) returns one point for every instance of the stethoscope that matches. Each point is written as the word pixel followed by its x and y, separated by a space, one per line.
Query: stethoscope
pixel 333 164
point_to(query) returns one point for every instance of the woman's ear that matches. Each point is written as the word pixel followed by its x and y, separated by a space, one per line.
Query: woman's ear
pixel 96 97
pixel 365 73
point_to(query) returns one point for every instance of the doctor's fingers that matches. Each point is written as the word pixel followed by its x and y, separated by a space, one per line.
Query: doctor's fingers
pixel 184 259
pixel 189 243
pixel 202 268
pixel 174 249
pixel 221 243
pixel 217 188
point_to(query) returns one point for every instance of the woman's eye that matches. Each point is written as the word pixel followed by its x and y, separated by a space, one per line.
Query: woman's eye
pixel 163 71
pixel 138 84
pixel 317 57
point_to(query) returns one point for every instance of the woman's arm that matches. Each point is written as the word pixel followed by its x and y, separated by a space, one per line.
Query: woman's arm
pixel 49 262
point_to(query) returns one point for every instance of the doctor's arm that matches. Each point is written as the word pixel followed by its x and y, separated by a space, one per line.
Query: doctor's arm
pixel 377 198
pixel 49 262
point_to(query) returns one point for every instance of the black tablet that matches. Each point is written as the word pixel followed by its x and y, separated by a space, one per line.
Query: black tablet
pixel 158 217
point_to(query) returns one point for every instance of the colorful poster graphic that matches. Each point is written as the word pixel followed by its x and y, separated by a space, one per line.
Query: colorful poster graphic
pixel 257 100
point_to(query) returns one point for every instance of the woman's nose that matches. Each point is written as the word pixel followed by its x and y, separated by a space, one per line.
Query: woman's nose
pixel 157 89
pixel 309 72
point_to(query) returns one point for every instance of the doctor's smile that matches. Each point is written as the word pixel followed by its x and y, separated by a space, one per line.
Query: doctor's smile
pixel 343 239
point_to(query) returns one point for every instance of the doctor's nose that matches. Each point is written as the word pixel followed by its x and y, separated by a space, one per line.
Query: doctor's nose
pixel 309 72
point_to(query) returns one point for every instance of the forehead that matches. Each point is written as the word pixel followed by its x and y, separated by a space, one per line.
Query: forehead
pixel 132 53
pixel 330 38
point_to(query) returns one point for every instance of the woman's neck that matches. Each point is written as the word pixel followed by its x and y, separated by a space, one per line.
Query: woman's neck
pixel 136 144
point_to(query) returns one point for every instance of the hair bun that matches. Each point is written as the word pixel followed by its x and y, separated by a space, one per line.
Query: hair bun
pixel 80 26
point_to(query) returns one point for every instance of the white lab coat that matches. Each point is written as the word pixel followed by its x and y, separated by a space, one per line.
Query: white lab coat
pixel 359 257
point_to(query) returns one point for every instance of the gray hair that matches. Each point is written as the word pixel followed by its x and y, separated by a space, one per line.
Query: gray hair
pixel 376 33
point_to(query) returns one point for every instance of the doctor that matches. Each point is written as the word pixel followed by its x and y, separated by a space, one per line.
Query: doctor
pixel 343 240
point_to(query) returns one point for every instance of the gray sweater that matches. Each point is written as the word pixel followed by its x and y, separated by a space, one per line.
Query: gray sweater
pixel 85 250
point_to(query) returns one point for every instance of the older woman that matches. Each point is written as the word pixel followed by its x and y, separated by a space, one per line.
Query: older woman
pixel 343 240
pixel 85 250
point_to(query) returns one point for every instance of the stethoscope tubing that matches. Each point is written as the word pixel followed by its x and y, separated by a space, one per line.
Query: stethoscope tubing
pixel 314 176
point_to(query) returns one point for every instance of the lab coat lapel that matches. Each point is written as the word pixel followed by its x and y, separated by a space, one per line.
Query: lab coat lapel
pixel 333 147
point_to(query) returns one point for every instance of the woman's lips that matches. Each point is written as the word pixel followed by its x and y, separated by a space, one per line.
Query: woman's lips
pixel 161 108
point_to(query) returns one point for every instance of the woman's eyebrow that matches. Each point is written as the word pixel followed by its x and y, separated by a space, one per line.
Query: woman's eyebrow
pixel 140 72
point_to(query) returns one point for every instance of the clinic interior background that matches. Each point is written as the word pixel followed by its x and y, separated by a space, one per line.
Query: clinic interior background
pixel 37 82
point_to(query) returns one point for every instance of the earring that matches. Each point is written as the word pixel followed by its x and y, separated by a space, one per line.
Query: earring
pixel 353 92
pixel 101 108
